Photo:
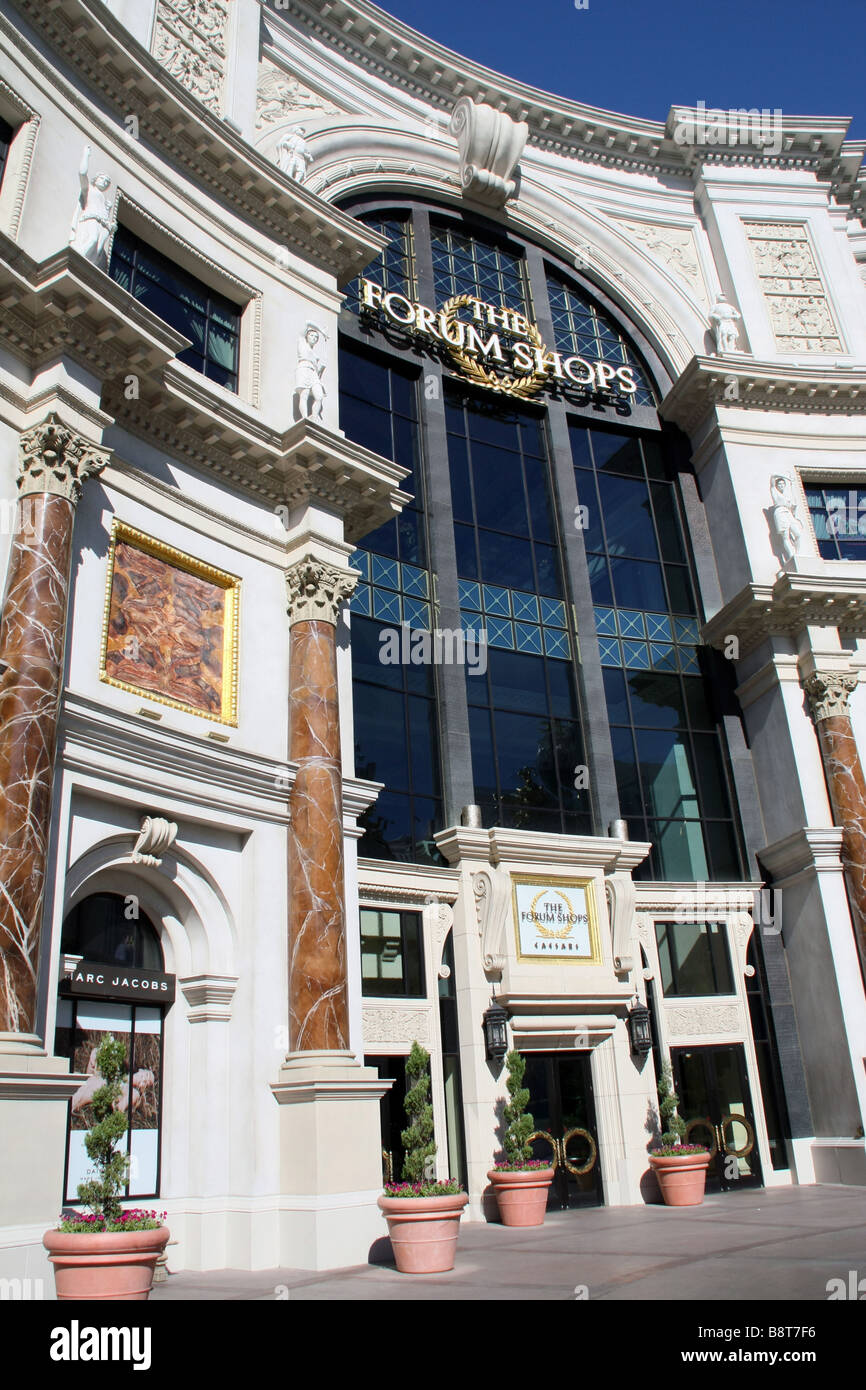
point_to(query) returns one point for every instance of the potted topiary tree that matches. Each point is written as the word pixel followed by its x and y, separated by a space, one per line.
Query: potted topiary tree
pixel 423 1215
pixel 681 1168
pixel 522 1182
pixel 111 1253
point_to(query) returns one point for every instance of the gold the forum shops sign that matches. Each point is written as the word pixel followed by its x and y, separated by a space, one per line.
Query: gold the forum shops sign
pixel 556 919
pixel 493 346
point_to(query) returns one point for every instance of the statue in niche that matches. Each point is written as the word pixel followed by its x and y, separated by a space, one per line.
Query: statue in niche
pixel 724 318
pixel 94 216
pixel 786 523
pixel 294 154
pixel 309 389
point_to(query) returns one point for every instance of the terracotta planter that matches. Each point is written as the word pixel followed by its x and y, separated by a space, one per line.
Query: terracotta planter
pixel 682 1177
pixel 105 1265
pixel 424 1231
pixel 522 1195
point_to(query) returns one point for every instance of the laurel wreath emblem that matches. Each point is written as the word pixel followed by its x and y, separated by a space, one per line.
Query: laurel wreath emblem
pixel 506 384
pixel 557 934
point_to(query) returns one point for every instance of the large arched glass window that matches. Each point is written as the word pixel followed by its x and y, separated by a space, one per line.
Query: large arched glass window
pixel 110 928
pixel 489 544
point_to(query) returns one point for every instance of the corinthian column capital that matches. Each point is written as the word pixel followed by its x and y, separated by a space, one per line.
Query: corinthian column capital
pixel 828 692
pixel 54 459
pixel 318 590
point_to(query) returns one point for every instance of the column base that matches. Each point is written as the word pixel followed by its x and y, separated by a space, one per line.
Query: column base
pixel 330 1160
pixel 34 1090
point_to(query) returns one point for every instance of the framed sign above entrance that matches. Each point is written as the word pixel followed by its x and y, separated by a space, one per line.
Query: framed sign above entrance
pixel 556 918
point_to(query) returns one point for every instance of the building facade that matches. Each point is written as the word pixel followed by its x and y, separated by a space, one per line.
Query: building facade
pixel 433 546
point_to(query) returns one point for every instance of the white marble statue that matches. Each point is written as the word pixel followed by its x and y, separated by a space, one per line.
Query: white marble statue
pixel 309 389
pixel 786 523
pixel 724 318
pixel 294 154
pixel 94 215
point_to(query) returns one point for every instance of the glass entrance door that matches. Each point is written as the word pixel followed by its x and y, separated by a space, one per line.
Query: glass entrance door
pixel 562 1107
pixel 716 1103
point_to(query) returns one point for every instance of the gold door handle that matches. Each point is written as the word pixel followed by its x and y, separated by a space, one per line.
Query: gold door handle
pixel 554 1144
pixel 704 1123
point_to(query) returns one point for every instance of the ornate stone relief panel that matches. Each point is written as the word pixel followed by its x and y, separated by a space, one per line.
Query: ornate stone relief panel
pixel 282 97
pixel 675 248
pixel 397 1026
pixel 189 39
pixel 692 1020
pixel 799 307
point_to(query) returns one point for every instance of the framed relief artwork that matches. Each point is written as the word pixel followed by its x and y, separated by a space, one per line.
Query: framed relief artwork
pixel 171 627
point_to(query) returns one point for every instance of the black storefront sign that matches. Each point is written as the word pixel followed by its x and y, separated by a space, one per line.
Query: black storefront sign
pixel 96 980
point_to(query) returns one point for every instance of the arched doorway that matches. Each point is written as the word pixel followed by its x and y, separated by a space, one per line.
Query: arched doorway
pixel 116 985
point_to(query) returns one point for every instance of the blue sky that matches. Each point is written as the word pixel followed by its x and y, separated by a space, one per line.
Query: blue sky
pixel 642 57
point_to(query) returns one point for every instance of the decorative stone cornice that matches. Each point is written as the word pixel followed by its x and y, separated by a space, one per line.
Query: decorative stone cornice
pixel 738 382
pixel 317 591
pixel 491 144
pixel 54 459
pixel 402 58
pixel 828 693
pixel 195 140
pixel 209 997
pixel 783 609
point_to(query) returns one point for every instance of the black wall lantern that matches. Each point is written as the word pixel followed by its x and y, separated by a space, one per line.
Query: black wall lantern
pixel 640 1029
pixel 495 1032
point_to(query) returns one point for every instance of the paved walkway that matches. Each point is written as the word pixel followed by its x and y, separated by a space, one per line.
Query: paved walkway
pixel 780 1243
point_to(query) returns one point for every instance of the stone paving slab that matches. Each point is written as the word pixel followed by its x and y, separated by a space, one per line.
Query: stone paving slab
pixel 759 1245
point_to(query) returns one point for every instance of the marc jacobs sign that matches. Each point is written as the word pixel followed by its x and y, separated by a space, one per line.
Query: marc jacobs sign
pixel 556 919
pixel 493 346
pixel 94 979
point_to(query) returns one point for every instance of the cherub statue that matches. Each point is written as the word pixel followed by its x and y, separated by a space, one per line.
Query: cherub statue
pixel 724 318
pixel 309 389
pixel 294 154
pixel 94 217
pixel 786 523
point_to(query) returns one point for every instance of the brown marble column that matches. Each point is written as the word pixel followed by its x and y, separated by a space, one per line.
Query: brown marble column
pixel 54 461
pixel 318 997
pixel 828 693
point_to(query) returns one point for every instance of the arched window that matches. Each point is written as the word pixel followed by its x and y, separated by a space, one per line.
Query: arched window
pixel 110 928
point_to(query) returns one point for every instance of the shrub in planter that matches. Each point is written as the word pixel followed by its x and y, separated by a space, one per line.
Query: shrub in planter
pixel 521 1183
pixel 423 1215
pixel 106 1253
pixel 681 1168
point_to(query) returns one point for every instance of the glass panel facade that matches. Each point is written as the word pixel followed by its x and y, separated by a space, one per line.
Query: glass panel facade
pixel 527 743
pixel 392 953
pixel 669 756
pixel 466 264
pixel 525 724
pixel 582 329
pixel 208 319
pixel 694 958
pixel 393 268
pixel 838 513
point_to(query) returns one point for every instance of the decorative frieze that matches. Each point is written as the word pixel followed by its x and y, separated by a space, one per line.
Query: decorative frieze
pixel 828 693
pixel 396 1027
pixel 189 39
pixel 317 591
pixel 54 459
pixel 281 97
pixel 697 1020
pixel 674 248
pixel 799 307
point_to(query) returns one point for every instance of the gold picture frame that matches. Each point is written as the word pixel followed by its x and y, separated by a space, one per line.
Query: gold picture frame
pixel 230 584
pixel 557 885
